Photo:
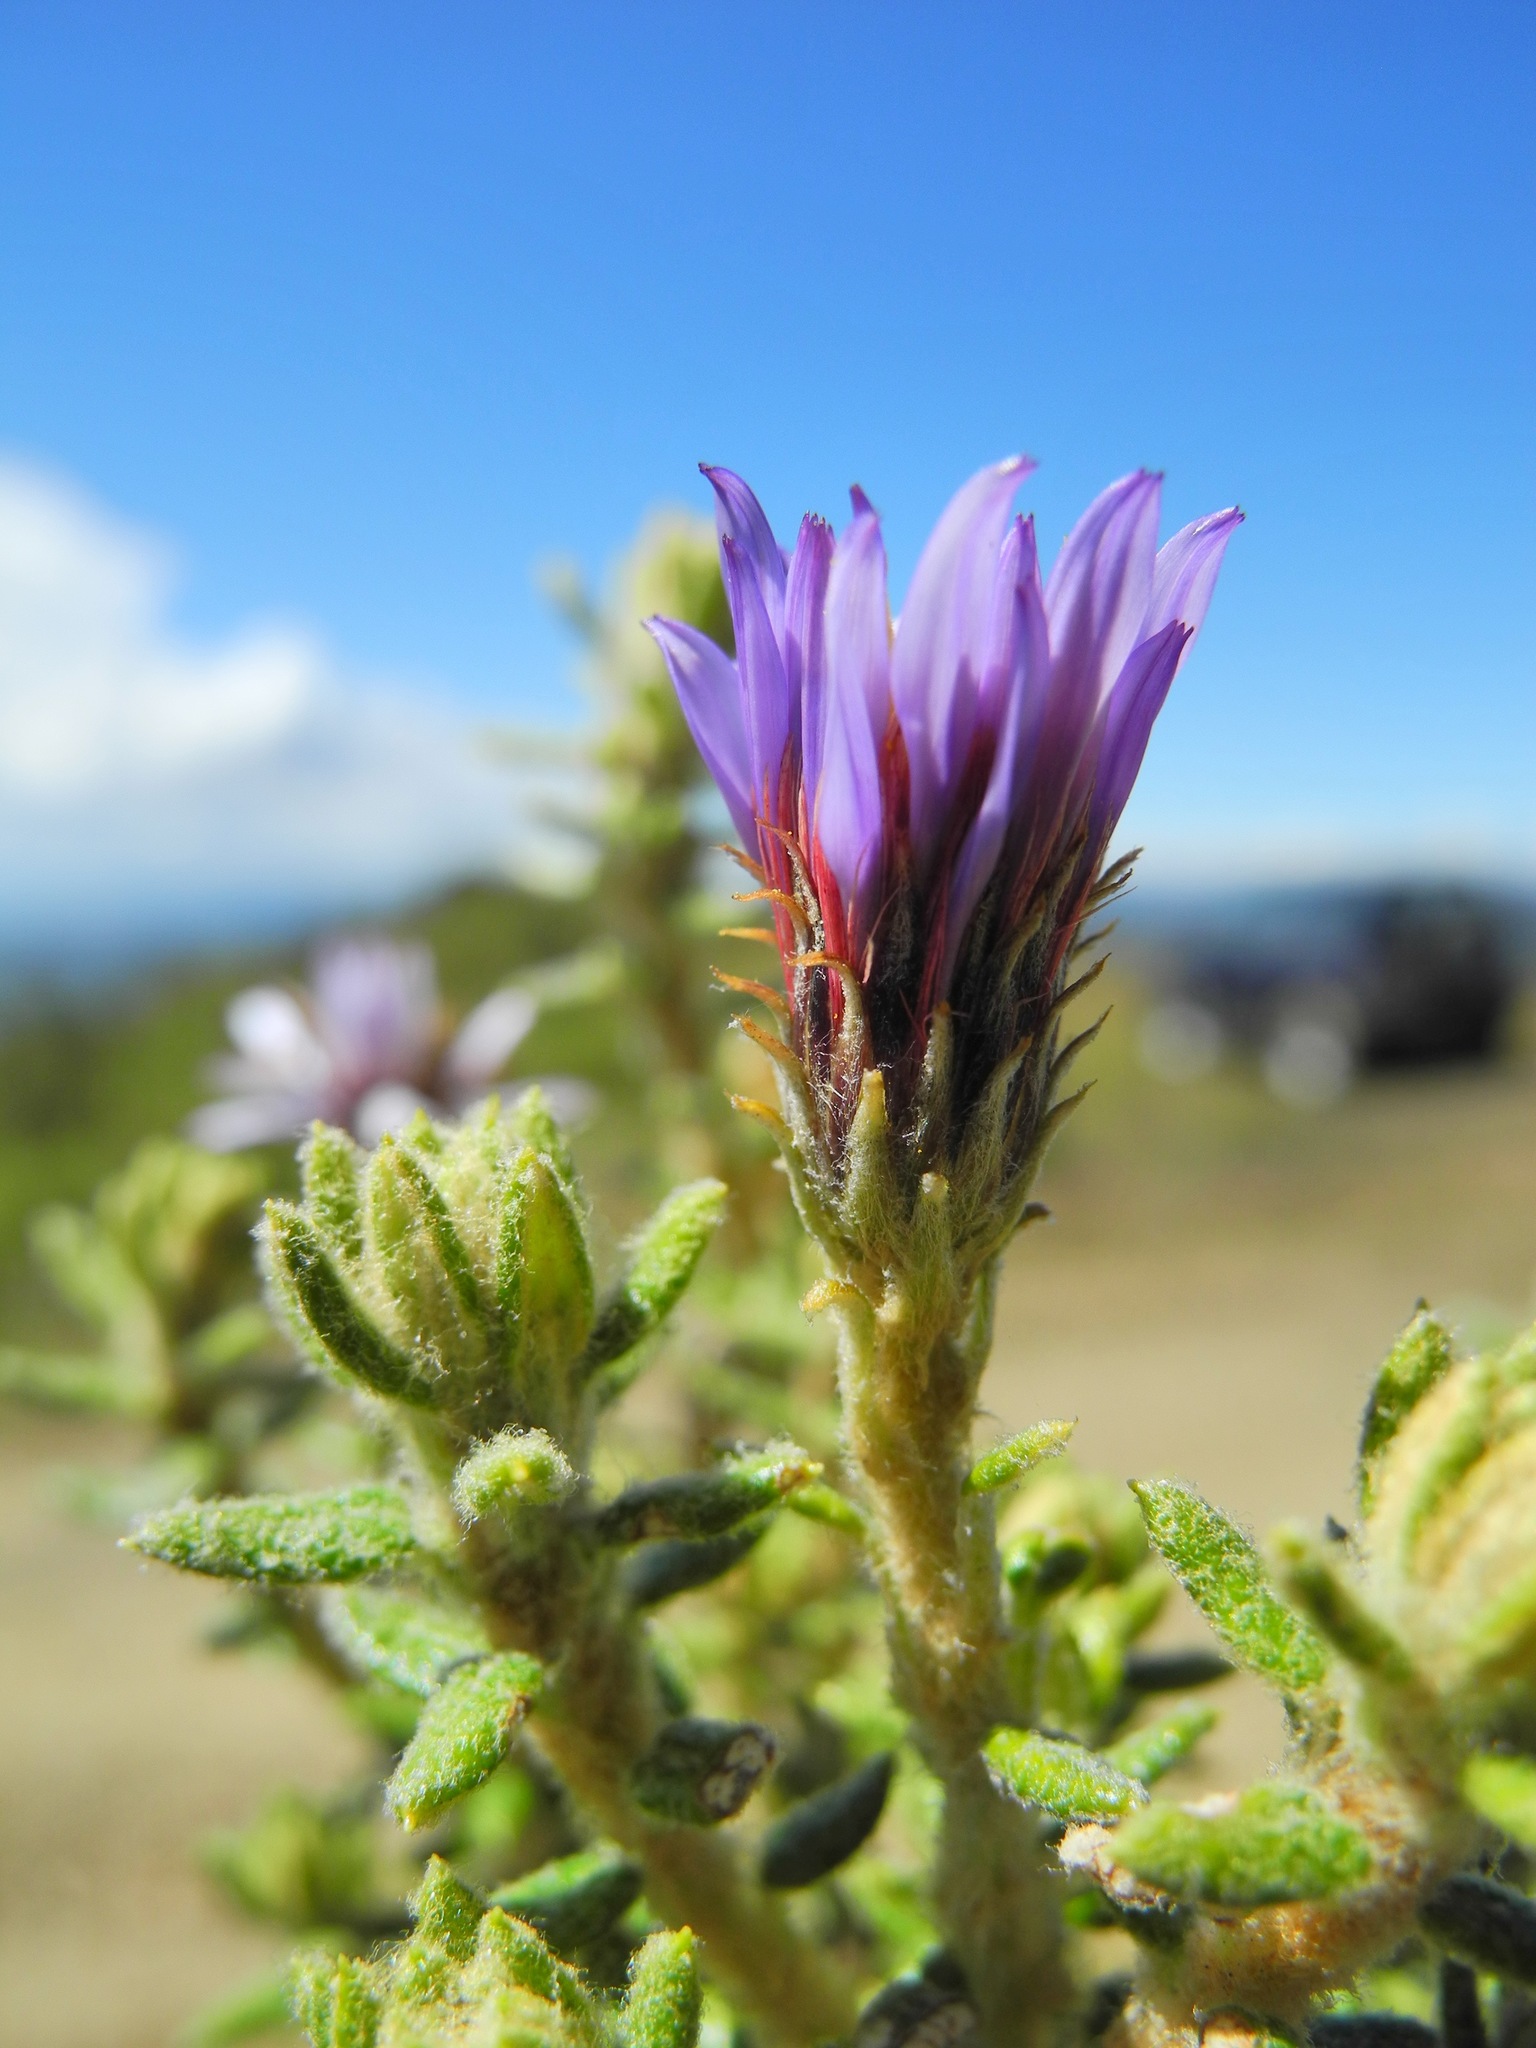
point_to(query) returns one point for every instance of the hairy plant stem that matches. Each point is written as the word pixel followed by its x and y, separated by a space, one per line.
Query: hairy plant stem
pixel 600 1709
pixel 908 1381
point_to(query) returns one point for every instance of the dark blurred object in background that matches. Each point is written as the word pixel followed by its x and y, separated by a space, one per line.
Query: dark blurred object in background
pixel 1321 983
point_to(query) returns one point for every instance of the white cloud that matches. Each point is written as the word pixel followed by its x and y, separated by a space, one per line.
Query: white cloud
pixel 147 780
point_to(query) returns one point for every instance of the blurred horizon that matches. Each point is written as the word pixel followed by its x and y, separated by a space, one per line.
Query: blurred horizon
pixel 324 328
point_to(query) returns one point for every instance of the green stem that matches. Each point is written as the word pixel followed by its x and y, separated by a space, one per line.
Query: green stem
pixel 908 1381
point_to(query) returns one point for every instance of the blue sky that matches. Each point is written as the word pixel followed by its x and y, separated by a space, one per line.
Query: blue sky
pixel 341 316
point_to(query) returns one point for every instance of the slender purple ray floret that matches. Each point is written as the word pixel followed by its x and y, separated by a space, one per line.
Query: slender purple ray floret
pixel 925 797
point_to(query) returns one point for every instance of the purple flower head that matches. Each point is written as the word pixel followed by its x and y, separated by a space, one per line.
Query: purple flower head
pixel 365 1046
pixel 928 799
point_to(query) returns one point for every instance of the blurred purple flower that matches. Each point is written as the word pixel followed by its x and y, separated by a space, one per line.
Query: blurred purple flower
pixel 918 795
pixel 365 1046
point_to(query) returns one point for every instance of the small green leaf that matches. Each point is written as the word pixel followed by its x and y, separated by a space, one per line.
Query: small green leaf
pixel 1020 1454
pixel 818 1502
pixel 464 1732
pixel 331 1323
pixel 663 2002
pixel 1061 1778
pixel 400 1636
pixel 1420 1357
pixel 1503 1790
pixel 520 1468
pixel 75 1381
pixel 694 1504
pixel 1276 1842
pixel 822 1832
pixel 331 1169
pixel 1222 1573
pixel 509 1951
pixel 661 1263
pixel 575 1899
pixel 701 1772
pixel 1149 1752
pixel 283 1540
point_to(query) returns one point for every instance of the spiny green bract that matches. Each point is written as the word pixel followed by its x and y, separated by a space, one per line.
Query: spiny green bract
pixel 1447 1544
pixel 1276 1842
pixel 449 1269
pixel 1221 1571
pixel 476 1977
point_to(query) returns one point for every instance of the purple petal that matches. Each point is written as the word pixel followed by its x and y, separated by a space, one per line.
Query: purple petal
pixel 941 638
pixel 1185 573
pixel 764 685
pixel 376 1007
pixel 709 691
pixel 1016 684
pixel 1133 705
pixel 846 800
pixel 742 520
pixel 1101 585
pixel 805 640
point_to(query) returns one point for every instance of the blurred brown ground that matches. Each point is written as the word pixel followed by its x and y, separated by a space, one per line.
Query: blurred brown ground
pixel 1222 1276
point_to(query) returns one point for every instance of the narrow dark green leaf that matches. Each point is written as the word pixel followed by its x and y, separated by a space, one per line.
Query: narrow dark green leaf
pixel 575 1899
pixel 822 1832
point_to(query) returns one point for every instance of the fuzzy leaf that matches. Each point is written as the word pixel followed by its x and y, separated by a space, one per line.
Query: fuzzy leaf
pixel 418 1256
pixel 1149 1752
pixel 576 1899
pixel 1061 1778
pixel 1039 1564
pixel 401 1637
pixel 1222 1573
pixel 1276 1842
pixel 331 1168
pixel 1020 1454
pixel 1486 1923
pixel 822 1832
pixel 283 1540
pixel 701 1772
pixel 663 2002
pixel 661 1263
pixel 1503 1790
pixel 464 1732
pixel 520 1468
pixel 544 1277
pixel 330 1321
pixel 694 1504
pixel 75 1381
pixel 1420 1357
